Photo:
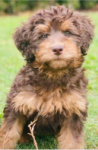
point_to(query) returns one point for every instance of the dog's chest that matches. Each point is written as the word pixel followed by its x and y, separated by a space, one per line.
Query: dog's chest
pixel 49 102
pixel 65 103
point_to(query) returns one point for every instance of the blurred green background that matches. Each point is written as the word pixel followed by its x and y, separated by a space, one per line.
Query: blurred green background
pixel 16 6
pixel 12 14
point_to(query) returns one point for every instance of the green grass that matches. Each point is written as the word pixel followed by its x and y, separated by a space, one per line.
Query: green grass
pixel 11 61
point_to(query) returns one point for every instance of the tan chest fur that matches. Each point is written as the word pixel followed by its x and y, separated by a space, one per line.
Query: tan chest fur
pixel 50 102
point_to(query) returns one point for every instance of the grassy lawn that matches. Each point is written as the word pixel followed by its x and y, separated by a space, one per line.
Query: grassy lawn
pixel 11 62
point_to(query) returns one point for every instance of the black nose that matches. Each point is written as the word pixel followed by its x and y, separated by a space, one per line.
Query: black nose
pixel 57 50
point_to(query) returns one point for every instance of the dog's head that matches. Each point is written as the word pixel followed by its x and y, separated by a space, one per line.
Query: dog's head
pixel 58 37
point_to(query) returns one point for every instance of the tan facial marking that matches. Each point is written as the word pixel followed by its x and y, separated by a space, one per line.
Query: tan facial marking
pixel 66 25
pixel 43 28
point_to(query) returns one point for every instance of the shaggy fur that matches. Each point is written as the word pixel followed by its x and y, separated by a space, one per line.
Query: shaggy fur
pixel 52 84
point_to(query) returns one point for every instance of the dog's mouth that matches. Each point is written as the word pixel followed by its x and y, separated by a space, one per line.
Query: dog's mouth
pixel 58 63
pixel 61 62
pixel 58 58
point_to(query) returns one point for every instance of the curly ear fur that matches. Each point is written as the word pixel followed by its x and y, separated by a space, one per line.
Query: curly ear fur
pixel 86 31
pixel 25 39
pixel 87 34
pixel 20 38
pixel 22 41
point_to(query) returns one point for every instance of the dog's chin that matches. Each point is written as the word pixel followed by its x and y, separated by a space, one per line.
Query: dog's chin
pixel 58 64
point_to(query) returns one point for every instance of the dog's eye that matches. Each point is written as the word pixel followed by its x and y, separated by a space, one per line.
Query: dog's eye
pixel 67 33
pixel 44 35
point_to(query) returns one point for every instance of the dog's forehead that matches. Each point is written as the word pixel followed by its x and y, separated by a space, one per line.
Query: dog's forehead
pixel 57 19
pixel 49 25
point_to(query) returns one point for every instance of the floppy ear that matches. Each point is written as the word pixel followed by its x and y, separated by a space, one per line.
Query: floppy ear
pixel 86 33
pixel 20 38
pixel 22 41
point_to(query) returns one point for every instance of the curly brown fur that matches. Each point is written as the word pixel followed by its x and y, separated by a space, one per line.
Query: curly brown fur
pixel 52 84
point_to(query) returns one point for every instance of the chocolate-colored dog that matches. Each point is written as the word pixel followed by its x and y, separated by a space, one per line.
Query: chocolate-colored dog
pixel 52 85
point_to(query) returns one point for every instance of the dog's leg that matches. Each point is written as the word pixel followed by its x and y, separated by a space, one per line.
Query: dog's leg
pixel 11 131
pixel 71 135
pixel 25 137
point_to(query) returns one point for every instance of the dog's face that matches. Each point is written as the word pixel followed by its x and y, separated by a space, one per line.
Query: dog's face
pixel 58 38
pixel 58 44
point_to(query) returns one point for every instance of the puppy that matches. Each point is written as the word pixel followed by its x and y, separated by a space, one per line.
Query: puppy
pixel 51 86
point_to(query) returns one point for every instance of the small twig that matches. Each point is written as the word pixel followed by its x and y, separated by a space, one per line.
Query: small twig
pixel 31 128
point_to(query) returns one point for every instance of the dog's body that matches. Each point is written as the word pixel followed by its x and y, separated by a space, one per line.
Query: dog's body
pixel 51 86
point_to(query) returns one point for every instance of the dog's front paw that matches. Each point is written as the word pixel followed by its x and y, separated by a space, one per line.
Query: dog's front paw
pixel 8 143
pixel 1 142
pixel 2 136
